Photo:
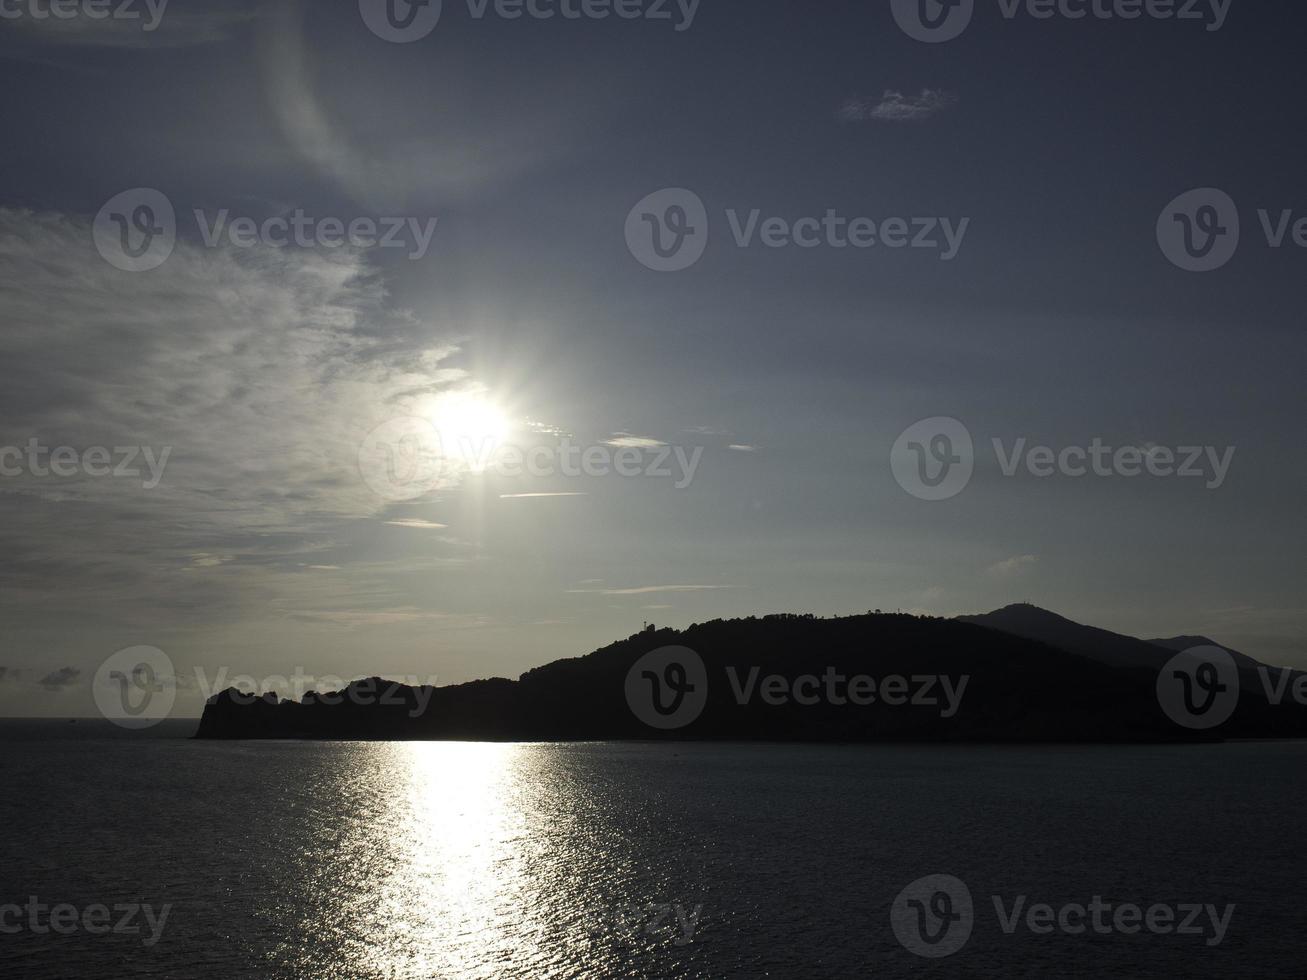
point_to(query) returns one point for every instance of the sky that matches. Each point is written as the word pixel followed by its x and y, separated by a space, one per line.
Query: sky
pixel 713 310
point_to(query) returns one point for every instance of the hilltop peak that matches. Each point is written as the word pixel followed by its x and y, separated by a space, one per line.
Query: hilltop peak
pixel 1020 611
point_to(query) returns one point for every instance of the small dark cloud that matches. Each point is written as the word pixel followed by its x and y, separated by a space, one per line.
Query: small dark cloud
pixel 57 680
pixel 894 106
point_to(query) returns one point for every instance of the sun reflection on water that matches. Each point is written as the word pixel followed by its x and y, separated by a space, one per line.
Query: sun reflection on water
pixel 472 860
pixel 471 871
pixel 454 838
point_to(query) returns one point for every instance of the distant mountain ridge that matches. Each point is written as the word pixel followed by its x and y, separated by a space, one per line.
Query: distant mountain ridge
pixel 1100 645
pixel 1017 674
pixel 1032 622
pixel 1179 643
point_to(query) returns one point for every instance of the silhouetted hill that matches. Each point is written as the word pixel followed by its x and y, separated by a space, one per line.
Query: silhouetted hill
pixel 1103 645
pixel 799 678
pixel 1178 643
pixel 1097 644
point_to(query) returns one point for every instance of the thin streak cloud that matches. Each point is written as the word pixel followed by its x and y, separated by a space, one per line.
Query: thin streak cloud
pixel 651 589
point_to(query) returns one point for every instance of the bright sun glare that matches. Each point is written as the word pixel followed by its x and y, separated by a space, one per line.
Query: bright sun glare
pixel 471 427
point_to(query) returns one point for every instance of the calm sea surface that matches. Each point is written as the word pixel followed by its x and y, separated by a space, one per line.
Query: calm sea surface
pixel 344 860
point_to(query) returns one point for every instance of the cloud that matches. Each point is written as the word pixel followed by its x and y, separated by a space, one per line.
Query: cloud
pixel 148 24
pixel 420 525
pixel 59 679
pixel 1011 566
pixel 625 440
pixel 527 496
pixel 650 589
pixel 894 106
pixel 741 448
pixel 263 369
pixel 362 618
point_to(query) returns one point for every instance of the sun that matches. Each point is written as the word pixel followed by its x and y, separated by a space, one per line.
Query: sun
pixel 471 425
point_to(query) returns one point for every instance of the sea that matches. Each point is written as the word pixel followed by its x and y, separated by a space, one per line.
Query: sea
pixel 156 855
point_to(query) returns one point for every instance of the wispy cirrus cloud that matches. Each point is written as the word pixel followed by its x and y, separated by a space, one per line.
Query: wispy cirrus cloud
pixel 262 369
pixel 1010 566
pixel 534 496
pixel 418 524
pixel 894 106
pixel 651 589
pixel 132 27
pixel 625 440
